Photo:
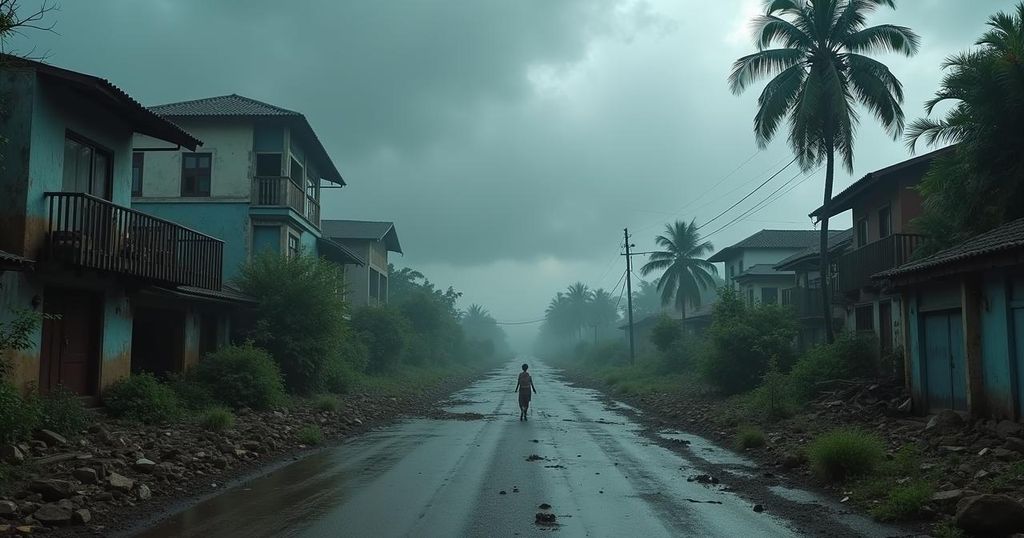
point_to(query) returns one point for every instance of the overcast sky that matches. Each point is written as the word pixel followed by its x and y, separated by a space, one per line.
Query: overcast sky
pixel 510 141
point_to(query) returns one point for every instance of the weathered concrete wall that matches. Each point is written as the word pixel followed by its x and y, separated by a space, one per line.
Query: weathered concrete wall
pixel 16 293
pixel 230 142
pixel 116 338
pixel 16 88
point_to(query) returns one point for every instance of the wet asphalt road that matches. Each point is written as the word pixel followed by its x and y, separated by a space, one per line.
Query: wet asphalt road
pixel 425 477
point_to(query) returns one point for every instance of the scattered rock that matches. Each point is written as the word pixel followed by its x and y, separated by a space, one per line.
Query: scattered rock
pixel 986 515
pixel 906 406
pixel 544 518
pixel 52 514
pixel 1015 444
pixel 51 489
pixel 51 438
pixel 144 465
pixel 544 506
pixel 792 460
pixel 945 420
pixel 534 457
pixel 502 492
pixel 759 508
pixel 8 508
pixel 11 454
pixel 81 517
pixel 142 492
pixel 1008 428
pixel 1005 454
pixel 703 479
pixel 948 498
pixel 86 475
pixel 119 482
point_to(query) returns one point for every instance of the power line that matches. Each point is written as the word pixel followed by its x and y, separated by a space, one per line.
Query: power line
pixel 748 195
pixel 520 322
pixel 768 200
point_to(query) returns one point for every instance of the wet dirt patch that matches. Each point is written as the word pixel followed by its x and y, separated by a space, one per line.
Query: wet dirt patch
pixel 535 457
pixel 441 414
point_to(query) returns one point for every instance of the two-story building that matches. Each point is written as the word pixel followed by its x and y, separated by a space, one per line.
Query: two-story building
pixel 884 204
pixel 366 284
pixel 256 182
pixel 750 263
pixel 804 292
pixel 75 250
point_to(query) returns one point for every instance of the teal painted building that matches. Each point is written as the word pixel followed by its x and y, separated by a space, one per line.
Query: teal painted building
pixel 256 182
pixel 71 247
pixel 965 325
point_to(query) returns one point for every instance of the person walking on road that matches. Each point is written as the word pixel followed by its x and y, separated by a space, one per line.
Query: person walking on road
pixel 524 385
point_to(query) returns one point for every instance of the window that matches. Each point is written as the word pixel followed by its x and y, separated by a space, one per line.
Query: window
pixel 268 164
pixel 884 222
pixel 741 267
pixel 865 318
pixel 862 232
pixel 86 167
pixel 750 295
pixel 374 284
pixel 770 295
pixel 195 174
pixel 137 160
pixel 293 245
pixel 297 173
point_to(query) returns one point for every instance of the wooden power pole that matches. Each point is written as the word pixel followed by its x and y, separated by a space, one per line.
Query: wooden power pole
pixel 629 296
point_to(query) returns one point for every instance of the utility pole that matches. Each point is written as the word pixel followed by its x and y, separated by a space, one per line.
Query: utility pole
pixel 629 295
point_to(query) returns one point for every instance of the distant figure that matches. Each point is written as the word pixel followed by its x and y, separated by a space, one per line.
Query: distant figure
pixel 524 385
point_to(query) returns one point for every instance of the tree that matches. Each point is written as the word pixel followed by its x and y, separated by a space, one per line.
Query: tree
pixel 684 271
pixel 578 297
pixel 601 311
pixel 980 184
pixel 646 299
pixel 819 73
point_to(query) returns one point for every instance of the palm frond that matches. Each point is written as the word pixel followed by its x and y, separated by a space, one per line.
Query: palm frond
pixel 763 63
pixel 769 28
pixel 884 37
pixel 776 102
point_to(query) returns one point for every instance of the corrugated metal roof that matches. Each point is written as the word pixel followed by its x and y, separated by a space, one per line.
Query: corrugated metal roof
pixel 362 229
pixel 1007 237
pixel 141 119
pixel 762 269
pixel 238 106
pixel 222 105
pixel 801 239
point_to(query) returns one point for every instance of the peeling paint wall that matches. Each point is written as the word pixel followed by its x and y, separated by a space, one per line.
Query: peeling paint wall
pixel 116 338
pixel 16 292
pixel 16 128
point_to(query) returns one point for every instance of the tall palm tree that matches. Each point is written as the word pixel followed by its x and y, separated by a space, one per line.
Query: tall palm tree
pixel 602 310
pixel 820 72
pixel 684 271
pixel 558 316
pixel 579 296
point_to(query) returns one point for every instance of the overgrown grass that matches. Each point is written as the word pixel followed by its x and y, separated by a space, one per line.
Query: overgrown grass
pixel 325 403
pixel 845 453
pixel 143 399
pixel 904 501
pixel 310 434
pixel 749 437
pixel 217 419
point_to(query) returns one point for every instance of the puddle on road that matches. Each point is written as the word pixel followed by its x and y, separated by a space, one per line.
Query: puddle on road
pixel 706 450
pixel 624 406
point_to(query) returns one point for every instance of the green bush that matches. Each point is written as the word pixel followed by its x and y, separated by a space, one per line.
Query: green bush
pixel 310 434
pixel 384 332
pixel 845 453
pixel 16 332
pixel 749 437
pixel 773 399
pixel 904 501
pixel 325 402
pixel 192 394
pixel 300 317
pixel 61 411
pixel 217 419
pixel 850 356
pixel 18 415
pixel 241 376
pixel 605 353
pixel 743 339
pixel 143 399
pixel 666 331
pixel 341 377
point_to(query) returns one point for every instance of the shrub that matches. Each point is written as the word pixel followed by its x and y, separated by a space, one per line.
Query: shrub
pixel 850 356
pixel 904 501
pixel 18 415
pixel 384 332
pixel 665 332
pixel 302 345
pixel 310 434
pixel 605 353
pixel 749 437
pixel 192 394
pixel 61 411
pixel 142 398
pixel 681 355
pixel 325 402
pixel 772 400
pixel 241 376
pixel 743 339
pixel 16 333
pixel 217 419
pixel 340 378
pixel 845 453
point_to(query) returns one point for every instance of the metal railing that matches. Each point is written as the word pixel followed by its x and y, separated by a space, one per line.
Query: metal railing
pixel 806 301
pixel 857 266
pixel 281 191
pixel 91 232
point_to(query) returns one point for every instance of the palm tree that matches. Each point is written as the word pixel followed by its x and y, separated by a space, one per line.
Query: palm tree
pixel 684 271
pixel 578 296
pixel 820 72
pixel 602 310
pixel 559 316
pixel 980 184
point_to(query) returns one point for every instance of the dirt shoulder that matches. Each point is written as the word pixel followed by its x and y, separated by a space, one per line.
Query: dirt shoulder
pixel 120 475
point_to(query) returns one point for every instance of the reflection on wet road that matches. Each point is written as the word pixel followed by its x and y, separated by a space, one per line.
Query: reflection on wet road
pixel 473 478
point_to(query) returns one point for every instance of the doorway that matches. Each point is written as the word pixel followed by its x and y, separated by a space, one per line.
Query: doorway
pixel 945 367
pixel 158 341
pixel 70 341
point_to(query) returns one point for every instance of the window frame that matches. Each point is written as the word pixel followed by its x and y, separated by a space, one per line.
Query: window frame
pixel 280 163
pixel 141 167
pixel 887 211
pixel 209 173
pixel 97 148
pixel 861 226
pixel 293 245
pixel 775 295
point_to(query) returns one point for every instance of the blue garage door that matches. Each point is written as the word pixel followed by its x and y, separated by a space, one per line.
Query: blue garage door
pixel 1017 321
pixel 945 367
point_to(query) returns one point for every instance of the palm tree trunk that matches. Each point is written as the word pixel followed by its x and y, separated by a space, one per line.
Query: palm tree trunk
pixel 823 268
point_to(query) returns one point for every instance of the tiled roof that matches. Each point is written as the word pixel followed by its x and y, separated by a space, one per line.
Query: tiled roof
pixel 100 90
pixel 222 105
pixel 338 253
pixel 840 240
pixel 1007 237
pixel 8 259
pixel 237 106
pixel 362 229
pixel 801 239
pixel 762 269
pixel 844 200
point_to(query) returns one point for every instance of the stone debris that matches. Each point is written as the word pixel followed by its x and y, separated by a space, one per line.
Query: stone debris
pixel 545 518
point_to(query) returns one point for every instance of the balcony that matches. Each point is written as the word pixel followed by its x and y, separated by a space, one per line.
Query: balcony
pixel 280 191
pixel 806 301
pixel 91 232
pixel 856 267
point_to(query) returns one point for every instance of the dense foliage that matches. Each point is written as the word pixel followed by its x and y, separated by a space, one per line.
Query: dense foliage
pixel 142 398
pixel 241 376
pixel 384 331
pixel 684 271
pixel 16 334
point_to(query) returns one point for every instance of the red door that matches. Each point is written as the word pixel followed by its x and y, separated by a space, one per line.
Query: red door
pixel 70 352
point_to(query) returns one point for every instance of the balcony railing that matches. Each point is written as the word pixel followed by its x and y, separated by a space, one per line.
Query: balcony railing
pixel 806 301
pixel 856 267
pixel 91 232
pixel 281 191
